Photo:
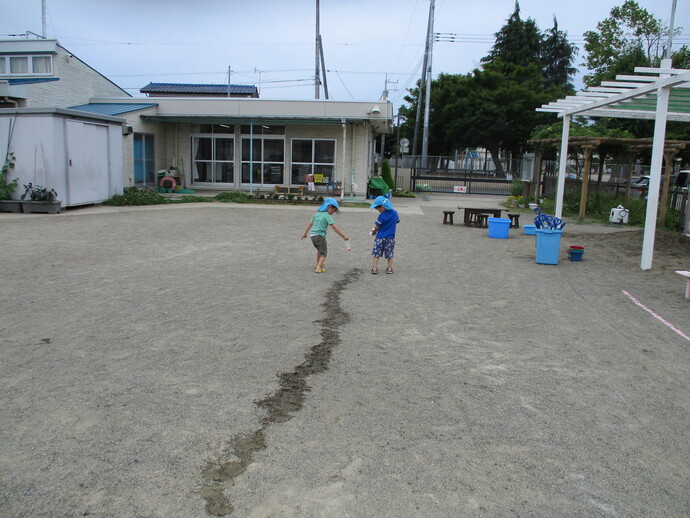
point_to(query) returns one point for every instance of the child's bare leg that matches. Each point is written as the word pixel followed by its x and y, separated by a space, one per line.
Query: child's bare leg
pixel 375 265
pixel 390 264
pixel 319 262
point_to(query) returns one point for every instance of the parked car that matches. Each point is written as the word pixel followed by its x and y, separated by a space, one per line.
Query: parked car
pixel 642 181
pixel 683 179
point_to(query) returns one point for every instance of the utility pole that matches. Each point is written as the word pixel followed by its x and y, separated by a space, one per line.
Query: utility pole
pixel 317 80
pixel 420 99
pixel 430 46
pixel 229 72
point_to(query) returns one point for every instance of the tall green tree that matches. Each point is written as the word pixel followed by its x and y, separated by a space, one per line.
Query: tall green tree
pixel 557 56
pixel 629 37
pixel 517 43
pixel 493 107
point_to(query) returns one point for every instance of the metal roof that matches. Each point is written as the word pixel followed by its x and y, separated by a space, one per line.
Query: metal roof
pixel 113 108
pixel 630 96
pixel 190 88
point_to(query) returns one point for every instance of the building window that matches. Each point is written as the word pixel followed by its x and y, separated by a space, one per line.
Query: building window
pixel 213 159
pixel 315 157
pixel 26 65
pixel 267 156
pixel 144 163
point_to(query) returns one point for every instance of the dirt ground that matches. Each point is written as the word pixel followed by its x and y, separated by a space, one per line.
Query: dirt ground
pixel 185 361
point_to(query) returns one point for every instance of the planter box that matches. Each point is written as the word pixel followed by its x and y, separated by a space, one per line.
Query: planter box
pixel 10 206
pixel 41 207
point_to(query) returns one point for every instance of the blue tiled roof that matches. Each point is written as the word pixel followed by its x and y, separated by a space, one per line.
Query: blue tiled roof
pixel 112 108
pixel 190 88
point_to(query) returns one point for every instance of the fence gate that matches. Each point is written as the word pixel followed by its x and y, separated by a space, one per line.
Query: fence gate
pixel 458 180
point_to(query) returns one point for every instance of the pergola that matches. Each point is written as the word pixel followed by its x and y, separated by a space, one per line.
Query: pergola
pixel 659 94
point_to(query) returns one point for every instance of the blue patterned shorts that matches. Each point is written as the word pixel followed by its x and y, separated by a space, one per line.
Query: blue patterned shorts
pixel 383 247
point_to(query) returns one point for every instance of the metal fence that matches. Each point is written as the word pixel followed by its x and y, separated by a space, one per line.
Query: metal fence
pixel 464 175
pixel 459 181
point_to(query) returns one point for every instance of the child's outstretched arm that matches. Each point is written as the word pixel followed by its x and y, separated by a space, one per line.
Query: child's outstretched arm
pixel 339 232
pixel 306 231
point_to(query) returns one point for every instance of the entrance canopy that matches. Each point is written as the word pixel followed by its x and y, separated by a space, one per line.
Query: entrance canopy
pixel 659 94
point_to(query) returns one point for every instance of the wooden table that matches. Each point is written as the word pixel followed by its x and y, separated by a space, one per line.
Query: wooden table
pixel 469 212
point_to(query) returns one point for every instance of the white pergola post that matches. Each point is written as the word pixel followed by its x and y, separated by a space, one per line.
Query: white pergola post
pixel 563 161
pixel 655 176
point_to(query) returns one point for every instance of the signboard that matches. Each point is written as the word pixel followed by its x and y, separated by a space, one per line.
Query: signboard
pixel 460 188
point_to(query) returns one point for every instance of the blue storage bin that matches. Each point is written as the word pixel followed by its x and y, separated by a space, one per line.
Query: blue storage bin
pixel 529 230
pixel 498 228
pixel 548 243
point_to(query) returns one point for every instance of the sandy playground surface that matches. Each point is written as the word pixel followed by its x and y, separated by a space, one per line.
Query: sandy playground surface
pixel 186 362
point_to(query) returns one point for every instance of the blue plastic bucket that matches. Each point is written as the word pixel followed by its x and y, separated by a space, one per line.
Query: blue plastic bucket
pixel 530 230
pixel 575 253
pixel 498 228
pixel 548 245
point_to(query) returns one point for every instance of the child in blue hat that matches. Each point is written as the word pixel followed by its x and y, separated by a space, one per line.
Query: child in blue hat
pixel 384 232
pixel 319 224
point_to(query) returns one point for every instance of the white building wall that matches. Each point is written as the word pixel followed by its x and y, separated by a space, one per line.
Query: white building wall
pixel 77 83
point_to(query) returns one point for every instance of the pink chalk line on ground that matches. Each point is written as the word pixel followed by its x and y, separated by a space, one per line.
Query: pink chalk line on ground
pixel 669 324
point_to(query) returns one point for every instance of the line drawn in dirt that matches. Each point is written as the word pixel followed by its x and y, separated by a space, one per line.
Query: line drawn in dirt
pixel 280 406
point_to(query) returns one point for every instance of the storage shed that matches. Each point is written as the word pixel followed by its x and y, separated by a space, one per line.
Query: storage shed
pixel 76 153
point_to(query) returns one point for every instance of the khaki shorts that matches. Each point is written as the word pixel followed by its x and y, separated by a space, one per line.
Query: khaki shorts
pixel 320 244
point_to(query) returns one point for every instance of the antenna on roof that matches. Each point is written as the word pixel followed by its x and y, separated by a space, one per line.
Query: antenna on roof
pixel 43 15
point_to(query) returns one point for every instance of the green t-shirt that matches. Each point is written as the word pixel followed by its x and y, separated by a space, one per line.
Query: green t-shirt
pixel 319 223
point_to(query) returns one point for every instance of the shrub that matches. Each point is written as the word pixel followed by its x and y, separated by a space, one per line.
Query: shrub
pixel 6 188
pixel 516 187
pixel 386 175
pixel 233 196
pixel 135 196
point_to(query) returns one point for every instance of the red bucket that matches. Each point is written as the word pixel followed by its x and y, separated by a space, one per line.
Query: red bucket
pixel 575 252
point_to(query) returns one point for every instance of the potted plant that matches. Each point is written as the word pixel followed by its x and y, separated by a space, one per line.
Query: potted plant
pixel 7 204
pixel 38 199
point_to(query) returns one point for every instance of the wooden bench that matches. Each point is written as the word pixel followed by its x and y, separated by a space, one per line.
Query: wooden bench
pixel 471 214
pixel 448 216
pixel 483 220
pixel 514 220
pixel 685 274
pixel 290 189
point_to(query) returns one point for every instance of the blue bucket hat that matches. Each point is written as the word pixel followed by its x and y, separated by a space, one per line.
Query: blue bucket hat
pixel 382 201
pixel 326 203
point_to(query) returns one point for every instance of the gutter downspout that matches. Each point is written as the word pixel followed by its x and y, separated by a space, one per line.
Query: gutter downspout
pixel 352 159
pixel 342 190
pixel 251 156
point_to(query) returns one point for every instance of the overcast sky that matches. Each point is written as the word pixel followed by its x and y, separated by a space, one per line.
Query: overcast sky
pixel 270 43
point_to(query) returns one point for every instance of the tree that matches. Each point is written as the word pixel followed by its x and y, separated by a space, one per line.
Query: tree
pixel 630 37
pixel 518 42
pixel 681 58
pixel 557 56
pixel 493 107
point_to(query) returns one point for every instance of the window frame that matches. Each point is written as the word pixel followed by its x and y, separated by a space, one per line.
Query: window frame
pixel 214 166
pixel 7 63
pixel 313 166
